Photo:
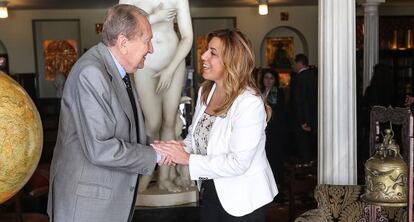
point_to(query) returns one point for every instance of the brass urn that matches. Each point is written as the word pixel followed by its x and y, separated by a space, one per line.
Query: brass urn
pixel 386 175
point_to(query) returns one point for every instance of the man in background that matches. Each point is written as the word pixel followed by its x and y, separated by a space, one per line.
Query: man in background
pixel 305 105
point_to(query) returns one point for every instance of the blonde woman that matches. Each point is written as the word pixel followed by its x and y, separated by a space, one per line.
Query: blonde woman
pixel 225 146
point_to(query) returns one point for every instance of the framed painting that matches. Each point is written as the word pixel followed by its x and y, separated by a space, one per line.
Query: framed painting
pixel 201 27
pixel 57 45
pixel 59 55
pixel 279 52
pixel 201 44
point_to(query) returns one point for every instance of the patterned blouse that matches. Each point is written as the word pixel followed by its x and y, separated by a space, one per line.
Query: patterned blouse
pixel 202 132
pixel 271 96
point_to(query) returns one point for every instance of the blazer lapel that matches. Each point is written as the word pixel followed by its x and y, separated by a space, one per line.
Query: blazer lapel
pixel 119 87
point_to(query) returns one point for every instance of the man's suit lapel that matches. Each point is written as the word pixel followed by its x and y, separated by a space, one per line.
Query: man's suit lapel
pixel 119 87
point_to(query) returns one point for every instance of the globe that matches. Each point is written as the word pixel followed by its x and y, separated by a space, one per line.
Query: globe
pixel 21 137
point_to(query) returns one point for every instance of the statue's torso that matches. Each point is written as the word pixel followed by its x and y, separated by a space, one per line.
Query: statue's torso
pixel 165 39
pixel 150 5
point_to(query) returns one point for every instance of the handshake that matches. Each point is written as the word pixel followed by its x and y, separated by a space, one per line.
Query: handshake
pixel 172 152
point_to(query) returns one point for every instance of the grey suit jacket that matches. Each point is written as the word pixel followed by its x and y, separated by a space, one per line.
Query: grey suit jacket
pixel 97 157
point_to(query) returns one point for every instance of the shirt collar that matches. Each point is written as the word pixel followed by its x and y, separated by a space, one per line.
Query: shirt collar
pixel 121 70
pixel 303 69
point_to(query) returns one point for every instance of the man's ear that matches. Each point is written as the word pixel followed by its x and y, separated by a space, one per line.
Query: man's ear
pixel 121 43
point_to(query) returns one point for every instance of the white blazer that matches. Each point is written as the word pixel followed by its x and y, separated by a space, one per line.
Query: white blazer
pixel 236 158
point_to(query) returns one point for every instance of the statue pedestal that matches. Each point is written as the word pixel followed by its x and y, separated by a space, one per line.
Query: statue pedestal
pixel 182 213
pixel 154 197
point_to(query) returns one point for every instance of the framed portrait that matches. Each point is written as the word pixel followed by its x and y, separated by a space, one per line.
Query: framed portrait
pixel 279 52
pixel 201 27
pixel 202 44
pixel 60 56
pixel 57 45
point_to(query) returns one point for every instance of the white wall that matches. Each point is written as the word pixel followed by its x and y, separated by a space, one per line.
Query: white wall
pixel 16 31
pixel 303 18
pixel 396 10
pixel 17 35
pixel 390 10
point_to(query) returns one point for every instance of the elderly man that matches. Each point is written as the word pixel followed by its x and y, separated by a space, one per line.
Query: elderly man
pixel 101 146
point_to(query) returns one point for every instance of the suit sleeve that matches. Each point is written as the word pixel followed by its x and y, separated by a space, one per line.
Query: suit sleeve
pixel 96 123
pixel 300 100
pixel 310 99
pixel 248 124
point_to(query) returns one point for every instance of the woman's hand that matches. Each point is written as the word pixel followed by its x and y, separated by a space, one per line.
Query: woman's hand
pixel 173 149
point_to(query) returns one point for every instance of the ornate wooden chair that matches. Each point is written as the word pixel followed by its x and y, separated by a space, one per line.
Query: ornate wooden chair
pixel 342 203
pixel 302 183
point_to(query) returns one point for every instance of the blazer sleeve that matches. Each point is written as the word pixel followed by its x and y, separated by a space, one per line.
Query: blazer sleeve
pixel 96 123
pixel 248 128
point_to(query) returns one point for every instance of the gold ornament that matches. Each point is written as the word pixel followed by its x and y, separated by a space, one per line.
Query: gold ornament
pixel 386 175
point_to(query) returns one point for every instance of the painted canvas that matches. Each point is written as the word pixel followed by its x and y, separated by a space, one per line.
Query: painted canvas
pixel 60 55
pixel 279 52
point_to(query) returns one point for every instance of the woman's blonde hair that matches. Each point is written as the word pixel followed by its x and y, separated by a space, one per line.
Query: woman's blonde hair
pixel 239 64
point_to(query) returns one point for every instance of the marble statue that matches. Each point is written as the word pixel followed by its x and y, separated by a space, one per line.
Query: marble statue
pixel 182 178
pixel 161 81
pixel 59 84
pixel 154 197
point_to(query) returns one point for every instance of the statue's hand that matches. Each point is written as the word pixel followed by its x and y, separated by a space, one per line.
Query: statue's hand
pixel 164 82
pixel 163 15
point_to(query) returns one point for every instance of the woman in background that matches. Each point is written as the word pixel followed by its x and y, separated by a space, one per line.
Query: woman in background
pixel 276 132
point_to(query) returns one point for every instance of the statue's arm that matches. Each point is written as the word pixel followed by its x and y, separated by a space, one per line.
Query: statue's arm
pixel 184 45
pixel 186 31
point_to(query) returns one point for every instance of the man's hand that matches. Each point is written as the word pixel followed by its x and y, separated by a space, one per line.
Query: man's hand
pixel 165 158
pixel 305 127
pixel 173 149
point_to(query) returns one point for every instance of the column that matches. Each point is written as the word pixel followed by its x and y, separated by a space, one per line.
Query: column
pixel 371 45
pixel 337 93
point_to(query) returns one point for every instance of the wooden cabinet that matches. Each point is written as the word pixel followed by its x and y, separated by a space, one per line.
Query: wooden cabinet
pixel 402 64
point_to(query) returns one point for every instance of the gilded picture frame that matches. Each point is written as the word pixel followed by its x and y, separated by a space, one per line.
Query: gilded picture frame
pixel 279 52
pixel 59 56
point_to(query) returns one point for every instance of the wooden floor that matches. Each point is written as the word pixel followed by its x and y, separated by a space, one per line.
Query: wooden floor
pixel 276 212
